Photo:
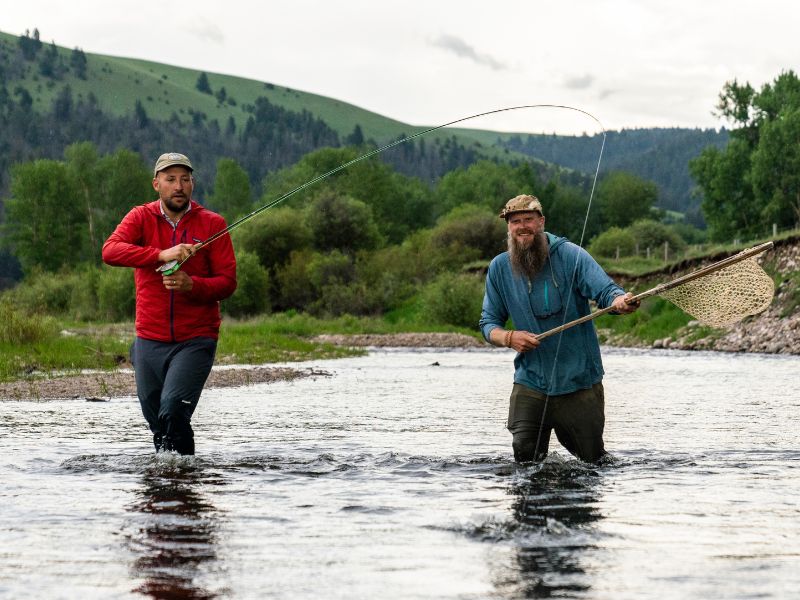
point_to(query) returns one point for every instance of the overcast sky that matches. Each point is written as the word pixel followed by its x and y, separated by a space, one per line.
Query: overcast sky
pixel 630 63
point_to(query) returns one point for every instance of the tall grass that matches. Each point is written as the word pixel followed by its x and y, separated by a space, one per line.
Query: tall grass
pixel 19 328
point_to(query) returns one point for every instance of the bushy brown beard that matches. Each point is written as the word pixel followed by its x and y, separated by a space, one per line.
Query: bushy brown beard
pixel 527 261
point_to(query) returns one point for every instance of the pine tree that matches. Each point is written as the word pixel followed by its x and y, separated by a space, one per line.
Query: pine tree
pixel 202 84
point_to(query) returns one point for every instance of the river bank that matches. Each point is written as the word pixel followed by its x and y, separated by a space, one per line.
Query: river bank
pixel 99 386
pixel 775 331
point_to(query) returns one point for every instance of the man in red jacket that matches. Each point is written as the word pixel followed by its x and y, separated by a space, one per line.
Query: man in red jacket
pixel 177 315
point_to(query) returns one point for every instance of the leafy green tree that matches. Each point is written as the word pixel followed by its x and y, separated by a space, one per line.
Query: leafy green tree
pixel 728 204
pixel 231 197
pixel 339 222
pixel 273 236
pixel 252 291
pixel 474 231
pixel 81 160
pixel 776 169
pixel 400 204
pixel 752 183
pixel 43 227
pixel 624 198
pixel 567 213
pixel 484 183
pixel 124 181
pixel 294 289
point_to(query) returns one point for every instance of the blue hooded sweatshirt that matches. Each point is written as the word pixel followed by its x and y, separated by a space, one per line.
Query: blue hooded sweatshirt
pixel 559 293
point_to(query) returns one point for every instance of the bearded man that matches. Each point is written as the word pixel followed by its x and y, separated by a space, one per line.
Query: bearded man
pixel 541 282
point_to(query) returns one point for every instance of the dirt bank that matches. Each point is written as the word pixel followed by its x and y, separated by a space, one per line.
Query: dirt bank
pixel 775 331
pixel 404 340
pixel 118 384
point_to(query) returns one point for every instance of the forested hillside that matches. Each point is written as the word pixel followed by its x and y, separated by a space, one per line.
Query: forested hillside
pixel 51 95
pixel 660 155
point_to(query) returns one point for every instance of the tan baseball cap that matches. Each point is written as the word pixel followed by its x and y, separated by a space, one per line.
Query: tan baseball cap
pixel 170 159
pixel 521 203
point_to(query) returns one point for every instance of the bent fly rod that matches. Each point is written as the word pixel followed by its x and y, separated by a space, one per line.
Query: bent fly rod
pixel 170 267
pixel 741 290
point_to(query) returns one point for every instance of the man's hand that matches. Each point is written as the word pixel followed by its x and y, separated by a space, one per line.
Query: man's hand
pixel 522 341
pixel 622 304
pixel 180 252
pixel 178 282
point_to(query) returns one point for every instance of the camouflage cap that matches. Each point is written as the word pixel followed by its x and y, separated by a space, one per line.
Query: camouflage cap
pixel 170 159
pixel 521 203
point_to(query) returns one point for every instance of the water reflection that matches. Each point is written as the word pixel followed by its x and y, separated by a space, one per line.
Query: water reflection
pixel 176 529
pixel 556 514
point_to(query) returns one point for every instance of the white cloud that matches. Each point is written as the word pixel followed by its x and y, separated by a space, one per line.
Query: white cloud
pixel 463 50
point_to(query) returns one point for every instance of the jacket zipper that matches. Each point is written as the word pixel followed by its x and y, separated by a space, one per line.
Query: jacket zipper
pixel 172 299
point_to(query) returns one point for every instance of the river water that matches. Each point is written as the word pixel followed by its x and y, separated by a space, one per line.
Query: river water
pixel 391 477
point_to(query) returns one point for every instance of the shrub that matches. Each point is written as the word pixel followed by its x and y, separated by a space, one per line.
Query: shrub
pixel 42 292
pixel 651 234
pixel 612 241
pixel 16 327
pixel 116 294
pixel 294 289
pixel 252 292
pixel 453 300
pixel 689 233
pixel 475 230
pixel 342 223
pixel 337 299
pixel 326 269
pixel 83 300
pixel 390 275
pixel 273 236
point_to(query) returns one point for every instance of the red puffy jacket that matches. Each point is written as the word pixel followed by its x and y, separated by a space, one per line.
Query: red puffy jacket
pixel 163 315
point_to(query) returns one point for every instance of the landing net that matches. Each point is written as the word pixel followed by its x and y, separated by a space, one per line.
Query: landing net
pixel 726 296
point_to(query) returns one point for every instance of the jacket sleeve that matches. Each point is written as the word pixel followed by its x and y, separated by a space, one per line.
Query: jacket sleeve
pixel 494 313
pixel 221 282
pixel 124 248
pixel 594 282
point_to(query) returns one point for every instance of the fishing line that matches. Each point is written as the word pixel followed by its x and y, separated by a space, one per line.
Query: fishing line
pixel 173 265
pixel 569 292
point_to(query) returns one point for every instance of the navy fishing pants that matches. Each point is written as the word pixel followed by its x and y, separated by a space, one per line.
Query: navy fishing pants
pixel 578 419
pixel 169 380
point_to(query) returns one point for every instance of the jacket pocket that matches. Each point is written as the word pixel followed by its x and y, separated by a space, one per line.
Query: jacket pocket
pixel 545 297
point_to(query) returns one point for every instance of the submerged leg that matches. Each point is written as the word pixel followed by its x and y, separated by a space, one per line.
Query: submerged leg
pixel 531 432
pixel 183 384
pixel 150 369
pixel 579 420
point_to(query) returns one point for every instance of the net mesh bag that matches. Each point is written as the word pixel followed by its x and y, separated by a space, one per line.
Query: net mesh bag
pixel 726 296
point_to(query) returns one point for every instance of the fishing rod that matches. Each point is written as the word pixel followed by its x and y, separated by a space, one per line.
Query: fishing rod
pixel 172 266
pixel 661 288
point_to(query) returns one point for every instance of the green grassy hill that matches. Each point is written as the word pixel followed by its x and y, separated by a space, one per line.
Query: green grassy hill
pixel 118 83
